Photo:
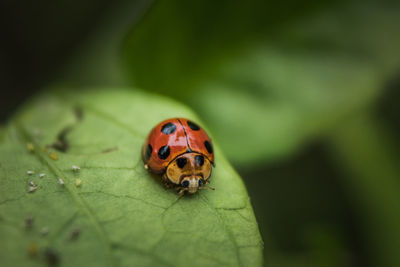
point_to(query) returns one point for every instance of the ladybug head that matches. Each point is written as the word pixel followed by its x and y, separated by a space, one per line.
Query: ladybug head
pixel 192 184
pixel 190 170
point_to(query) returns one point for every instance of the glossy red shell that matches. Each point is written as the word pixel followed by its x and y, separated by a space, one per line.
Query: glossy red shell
pixel 187 137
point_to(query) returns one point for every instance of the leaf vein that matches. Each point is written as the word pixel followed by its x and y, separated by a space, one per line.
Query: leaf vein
pixel 227 230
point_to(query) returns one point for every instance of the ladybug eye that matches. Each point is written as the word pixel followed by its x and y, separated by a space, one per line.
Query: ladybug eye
pixel 201 182
pixel 185 183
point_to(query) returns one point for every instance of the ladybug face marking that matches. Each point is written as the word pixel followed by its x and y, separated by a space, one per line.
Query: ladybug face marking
pixel 181 162
pixel 199 159
pixel 193 174
pixel 181 151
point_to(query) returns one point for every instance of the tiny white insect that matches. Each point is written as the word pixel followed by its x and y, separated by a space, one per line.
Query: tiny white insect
pixel 44 231
pixel 32 183
pixel 42 175
pixel 30 172
pixel 60 181
pixel 75 168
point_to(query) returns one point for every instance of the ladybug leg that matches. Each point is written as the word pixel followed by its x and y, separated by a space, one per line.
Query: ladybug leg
pixel 165 181
pixel 167 185
pixel 181 191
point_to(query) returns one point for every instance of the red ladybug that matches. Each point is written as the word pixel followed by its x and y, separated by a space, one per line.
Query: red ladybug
pixel 182 152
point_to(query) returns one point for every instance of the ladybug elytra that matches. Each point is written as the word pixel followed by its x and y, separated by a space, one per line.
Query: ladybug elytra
pixel 182 153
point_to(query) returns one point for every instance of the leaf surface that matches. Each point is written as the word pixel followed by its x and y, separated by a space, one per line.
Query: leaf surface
pixel 120 215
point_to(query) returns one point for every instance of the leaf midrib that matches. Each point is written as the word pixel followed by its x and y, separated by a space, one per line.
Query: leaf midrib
pixel 80 203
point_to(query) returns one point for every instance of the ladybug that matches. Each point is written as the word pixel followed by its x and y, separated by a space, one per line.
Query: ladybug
pixel 182 153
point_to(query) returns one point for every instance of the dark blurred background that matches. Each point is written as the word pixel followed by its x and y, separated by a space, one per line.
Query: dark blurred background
pixel 303 97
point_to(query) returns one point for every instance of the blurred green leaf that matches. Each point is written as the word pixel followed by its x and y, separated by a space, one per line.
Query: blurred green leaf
pixel 266 77
pixel 368 154
pixel 124 215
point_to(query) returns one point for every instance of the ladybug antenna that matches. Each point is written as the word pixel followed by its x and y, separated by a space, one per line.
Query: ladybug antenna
pixel 208 187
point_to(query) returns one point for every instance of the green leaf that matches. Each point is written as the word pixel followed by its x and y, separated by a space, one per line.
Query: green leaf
pixel 271 75
pixel 124 215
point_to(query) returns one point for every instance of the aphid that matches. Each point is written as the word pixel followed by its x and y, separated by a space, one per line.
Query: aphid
pixel 60 181
pixel 29 222
pixel 44 231
pixel 78 182
pixel 182 153
pixel 75 234
pixel 30 147
pixel 42 175
pixel 32 187
pixel 53 156
pixel 75 168
pixel 30 172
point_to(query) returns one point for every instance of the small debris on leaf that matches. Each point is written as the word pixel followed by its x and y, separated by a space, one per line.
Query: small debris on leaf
pixel 78 182
pixel 78 113
pixel 30 147
pixel 44 231
pixel 53 156
pixel 75 168
pixel 30 172
pixel 32 189
pixel 32 249
pixel 29 222
pixel 60 181
pixel 75 234
pixel 42 175
pixel 51 256
pixel 36 132
pixel 111 149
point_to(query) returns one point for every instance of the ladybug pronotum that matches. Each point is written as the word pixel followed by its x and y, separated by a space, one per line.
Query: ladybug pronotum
pixel 182 153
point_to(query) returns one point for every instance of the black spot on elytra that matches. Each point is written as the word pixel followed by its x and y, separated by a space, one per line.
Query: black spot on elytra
pixel 199 159
pixel 208 146
pixel 193 126
pixel 149 150
pixel 163 152
pixel 168 128
pixel 181 162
